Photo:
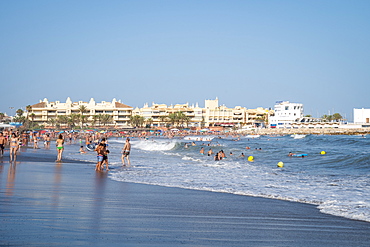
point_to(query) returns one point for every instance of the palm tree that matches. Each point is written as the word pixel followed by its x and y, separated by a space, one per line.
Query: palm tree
pixel 181 118
pixel 106 119
pixel 83 120
pixel 82 109
pixel 61 119
pixel 19 112
pixel 172 119
pixel 96 118
pixel 337 117
pixel 70 122
pixel 28 109
pixel 2 115
pixel 137 121
pixel 149 122
pixel 20 119
pixel 74 119
pixel 32 115
pixel 52 122
pixel 163 119
pixel 327 118
pixel 187 120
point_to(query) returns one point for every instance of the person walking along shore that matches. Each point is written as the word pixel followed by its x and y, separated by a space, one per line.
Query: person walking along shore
pixel 126 152
pixel 60 147
pixel 13 147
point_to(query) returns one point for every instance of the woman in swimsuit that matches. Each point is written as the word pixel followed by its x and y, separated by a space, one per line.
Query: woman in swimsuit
pixel 13 147
pixel 35 142
pixel 47 141
pixel 60 147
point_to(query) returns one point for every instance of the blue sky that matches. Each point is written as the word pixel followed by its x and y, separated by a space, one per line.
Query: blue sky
pixel 247 53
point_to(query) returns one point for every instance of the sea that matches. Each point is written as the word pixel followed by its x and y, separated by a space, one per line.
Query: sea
pixel 337 180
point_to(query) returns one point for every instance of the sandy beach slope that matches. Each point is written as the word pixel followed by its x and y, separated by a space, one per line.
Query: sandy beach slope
pixel 43 203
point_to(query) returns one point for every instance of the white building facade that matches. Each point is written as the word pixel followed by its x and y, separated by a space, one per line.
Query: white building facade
pixel 158 114
pixel 212 115
pixel 361 116
pixel 45 111
pixel 286 114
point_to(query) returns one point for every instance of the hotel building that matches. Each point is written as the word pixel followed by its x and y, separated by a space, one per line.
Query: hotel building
pixel 286 114
pixel 212 115
pixel 158 113
pixel 45 111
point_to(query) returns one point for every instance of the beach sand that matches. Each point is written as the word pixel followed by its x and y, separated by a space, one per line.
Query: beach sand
pixel 43 203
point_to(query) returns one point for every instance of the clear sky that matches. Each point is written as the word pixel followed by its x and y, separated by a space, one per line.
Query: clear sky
pixel 247 53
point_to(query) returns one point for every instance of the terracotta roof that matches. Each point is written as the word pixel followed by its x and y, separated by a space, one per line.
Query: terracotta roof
pixel 39 105
pixel 120 105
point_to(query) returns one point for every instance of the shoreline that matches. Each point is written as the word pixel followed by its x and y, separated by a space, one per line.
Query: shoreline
pixel 48 203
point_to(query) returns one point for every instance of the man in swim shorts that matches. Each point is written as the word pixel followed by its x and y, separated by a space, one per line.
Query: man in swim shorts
pixel 126 152
pixel 105 161
pixel 2 144
pixel 100 149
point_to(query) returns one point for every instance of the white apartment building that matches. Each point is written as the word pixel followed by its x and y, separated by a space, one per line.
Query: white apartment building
pixel 216 115
pixel 158 113
pixel 361 116
pixel 46 110
pixel 286 114
pixel 212 115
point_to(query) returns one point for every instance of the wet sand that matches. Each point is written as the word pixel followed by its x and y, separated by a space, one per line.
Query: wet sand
pixel 43 203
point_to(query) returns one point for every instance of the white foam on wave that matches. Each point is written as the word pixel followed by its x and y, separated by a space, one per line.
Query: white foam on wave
pixel 157 145
pixel 191 159
pixel 199 138
pixel 356 210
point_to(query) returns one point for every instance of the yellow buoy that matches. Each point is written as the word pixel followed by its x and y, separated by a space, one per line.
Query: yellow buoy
pixel 250 158
pixel 323 152
pixel 280 164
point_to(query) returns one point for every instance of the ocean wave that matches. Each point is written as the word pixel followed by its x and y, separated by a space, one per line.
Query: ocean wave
pixel 336 182
pixel 155 145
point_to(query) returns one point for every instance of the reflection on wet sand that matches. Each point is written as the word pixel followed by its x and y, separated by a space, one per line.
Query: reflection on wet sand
pixel 1 167
pixel 11 179
pixel 56 185
pixel 99 198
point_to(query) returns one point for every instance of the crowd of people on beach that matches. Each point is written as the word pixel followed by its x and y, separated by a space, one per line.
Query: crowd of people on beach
pixel 96 141
pixel 15 140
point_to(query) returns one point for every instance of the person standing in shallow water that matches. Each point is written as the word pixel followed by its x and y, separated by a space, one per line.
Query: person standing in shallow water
pixel 14 144
pixel 60 147
pixel 126 152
